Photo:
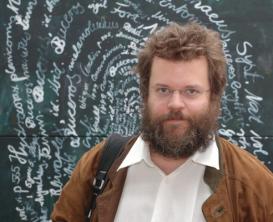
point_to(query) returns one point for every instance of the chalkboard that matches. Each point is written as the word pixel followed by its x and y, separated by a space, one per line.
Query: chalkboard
pixel 67 82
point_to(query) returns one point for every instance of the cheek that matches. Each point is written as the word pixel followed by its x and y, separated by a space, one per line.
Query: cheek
pixel 198 108
pixel 156 108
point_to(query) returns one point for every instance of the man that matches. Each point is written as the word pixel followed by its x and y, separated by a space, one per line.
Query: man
pixel 178 168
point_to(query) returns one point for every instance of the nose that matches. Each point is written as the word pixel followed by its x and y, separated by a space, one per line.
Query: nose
pixel 175 101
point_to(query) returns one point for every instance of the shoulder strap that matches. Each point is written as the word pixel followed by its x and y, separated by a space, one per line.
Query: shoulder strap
pixel 112 148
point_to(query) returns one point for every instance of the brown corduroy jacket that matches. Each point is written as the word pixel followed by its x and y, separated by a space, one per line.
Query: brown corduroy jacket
pixel 242 189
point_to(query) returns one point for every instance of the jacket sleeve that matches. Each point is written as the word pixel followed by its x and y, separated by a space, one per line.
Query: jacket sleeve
pixel 74 201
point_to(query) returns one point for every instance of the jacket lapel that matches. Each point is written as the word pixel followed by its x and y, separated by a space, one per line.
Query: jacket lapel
pixel 217 207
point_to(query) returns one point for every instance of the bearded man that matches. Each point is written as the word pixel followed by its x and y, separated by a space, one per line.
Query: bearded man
pixel 177 168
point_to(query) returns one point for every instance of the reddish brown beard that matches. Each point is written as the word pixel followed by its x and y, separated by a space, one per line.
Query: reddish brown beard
pixel 196 137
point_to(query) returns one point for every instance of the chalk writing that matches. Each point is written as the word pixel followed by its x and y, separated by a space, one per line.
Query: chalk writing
pixel 22 213
pixel 123 13
pixel 135 7
pixel 40 192
pixel 11 70
pixel 58 42
pixel 22 45
pixel 152 28
pixel 253 109
pixel 47 20
pixel 50 4
pixel 71 130
pixel 245 60
pixel 29 181
pixel 57 164
pixel 96 6
pixel 257 144
pixel 38 91
pixel 86 123
pixel 229 60
pixel 17 102
pixel 103 24
pixel 105 57
pixel 55 83
pixel 30 121
pixel 83 97
pixel 160 17
pixel 45 151
pixel 135 31
pixel 14 5
pixel 77 47
pixel 86 70
pixel 123 35
pixel 38 94
pixel 183 10
pixel 114 68
pixel 24 22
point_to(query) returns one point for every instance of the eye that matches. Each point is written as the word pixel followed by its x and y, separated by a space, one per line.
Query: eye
pixel 163 91
pixel 191 92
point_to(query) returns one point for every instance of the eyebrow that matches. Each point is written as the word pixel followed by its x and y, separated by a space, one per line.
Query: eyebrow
pixel 161 85
pixel 187 86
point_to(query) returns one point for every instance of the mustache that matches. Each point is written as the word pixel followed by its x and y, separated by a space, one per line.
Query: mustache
pixel 173 116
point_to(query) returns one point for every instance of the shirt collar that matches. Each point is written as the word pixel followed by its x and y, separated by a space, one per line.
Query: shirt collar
pixel 140 152
pixel 208 157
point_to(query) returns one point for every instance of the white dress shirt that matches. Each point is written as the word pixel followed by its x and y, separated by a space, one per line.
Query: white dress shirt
pixel 149 195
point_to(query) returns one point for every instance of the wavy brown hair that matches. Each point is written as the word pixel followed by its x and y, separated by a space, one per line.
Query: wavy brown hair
pixel 184 42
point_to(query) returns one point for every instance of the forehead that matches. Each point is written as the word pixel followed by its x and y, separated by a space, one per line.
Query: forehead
pixel 179 74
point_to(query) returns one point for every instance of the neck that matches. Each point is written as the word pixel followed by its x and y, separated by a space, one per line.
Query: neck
pixel 167 165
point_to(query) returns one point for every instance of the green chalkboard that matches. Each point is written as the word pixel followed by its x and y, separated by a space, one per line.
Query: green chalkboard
pixel 67 82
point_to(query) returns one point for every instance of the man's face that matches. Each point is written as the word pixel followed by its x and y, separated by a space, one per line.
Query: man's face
pixel 178 115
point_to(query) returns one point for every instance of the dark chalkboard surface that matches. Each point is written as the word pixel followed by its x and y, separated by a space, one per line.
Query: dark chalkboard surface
pixel 67 82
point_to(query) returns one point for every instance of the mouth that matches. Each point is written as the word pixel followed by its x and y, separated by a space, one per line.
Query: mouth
pixel 174 121
pixel 175 126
